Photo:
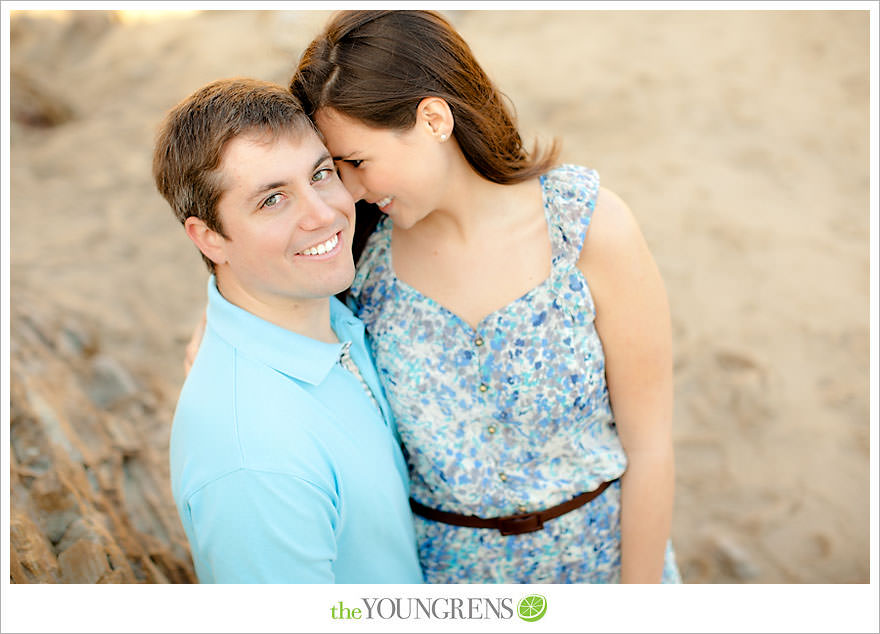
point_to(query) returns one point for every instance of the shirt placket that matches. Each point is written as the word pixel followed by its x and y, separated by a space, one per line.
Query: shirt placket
pixel 348 363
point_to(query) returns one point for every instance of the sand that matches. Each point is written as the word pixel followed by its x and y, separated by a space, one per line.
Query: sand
pixel 739 139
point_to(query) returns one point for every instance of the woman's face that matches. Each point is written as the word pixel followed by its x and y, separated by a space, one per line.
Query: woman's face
pixel 401 172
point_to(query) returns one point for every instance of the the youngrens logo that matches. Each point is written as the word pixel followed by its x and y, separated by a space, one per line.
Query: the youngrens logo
pixel 530 608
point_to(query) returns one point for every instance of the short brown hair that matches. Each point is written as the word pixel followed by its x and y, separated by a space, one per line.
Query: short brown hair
pixel 376 66
pixel 190 143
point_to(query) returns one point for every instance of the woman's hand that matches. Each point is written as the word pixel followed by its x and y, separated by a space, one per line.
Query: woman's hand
pixel 192 348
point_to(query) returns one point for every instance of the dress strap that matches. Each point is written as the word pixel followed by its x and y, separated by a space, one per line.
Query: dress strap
pixel 569 200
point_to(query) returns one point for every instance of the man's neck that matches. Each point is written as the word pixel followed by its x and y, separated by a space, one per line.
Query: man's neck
pixel 307 317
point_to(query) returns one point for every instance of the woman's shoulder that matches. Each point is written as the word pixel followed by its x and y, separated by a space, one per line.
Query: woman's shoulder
pixel 575 185
pixel 597 223
pixel 614 236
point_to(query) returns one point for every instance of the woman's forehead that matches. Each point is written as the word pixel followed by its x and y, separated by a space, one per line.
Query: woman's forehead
pixel 343 134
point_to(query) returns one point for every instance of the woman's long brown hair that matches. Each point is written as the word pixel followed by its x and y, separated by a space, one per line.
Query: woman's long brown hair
pixel 376 66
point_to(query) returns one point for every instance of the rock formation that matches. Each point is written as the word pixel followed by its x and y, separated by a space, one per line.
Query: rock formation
pixel 90 497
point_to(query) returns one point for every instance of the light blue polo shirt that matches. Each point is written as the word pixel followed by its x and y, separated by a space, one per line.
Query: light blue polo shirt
pixel 282 468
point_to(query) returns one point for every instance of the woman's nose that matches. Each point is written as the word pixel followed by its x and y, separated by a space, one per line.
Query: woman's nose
pixel 352 182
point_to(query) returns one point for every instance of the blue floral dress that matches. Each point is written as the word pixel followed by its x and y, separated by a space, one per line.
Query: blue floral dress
pixel 510 417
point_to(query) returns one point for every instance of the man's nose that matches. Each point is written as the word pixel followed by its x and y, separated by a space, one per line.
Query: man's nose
pixel 318 213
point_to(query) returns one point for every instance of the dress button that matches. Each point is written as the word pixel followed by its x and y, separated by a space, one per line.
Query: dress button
pixel 483 387
pixel 491 429
pixel 502 477
pixel 478 341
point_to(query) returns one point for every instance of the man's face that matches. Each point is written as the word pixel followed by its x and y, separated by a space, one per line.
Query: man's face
pixel 289 223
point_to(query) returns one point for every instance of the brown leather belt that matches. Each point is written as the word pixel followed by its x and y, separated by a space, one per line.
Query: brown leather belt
pixel 511 524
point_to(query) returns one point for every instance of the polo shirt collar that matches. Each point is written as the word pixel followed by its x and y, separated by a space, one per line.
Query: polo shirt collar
pixel 295 355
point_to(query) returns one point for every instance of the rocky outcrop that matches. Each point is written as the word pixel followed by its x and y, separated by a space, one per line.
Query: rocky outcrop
pixel 90 498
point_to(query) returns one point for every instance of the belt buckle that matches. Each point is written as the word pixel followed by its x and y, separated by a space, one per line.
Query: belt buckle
pixel 518 524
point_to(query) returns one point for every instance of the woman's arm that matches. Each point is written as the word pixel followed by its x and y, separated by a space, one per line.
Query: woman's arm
pixel 632 319
pixel 195 340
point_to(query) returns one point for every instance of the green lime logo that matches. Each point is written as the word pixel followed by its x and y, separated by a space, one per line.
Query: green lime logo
pixel 532 607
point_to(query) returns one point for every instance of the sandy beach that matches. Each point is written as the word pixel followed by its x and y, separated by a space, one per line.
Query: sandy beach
pixel 739 139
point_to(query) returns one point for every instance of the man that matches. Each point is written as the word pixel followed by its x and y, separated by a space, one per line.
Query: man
pixel 284 468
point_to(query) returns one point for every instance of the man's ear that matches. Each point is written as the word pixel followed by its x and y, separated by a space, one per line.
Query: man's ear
pixel 437 115
pixel 208 241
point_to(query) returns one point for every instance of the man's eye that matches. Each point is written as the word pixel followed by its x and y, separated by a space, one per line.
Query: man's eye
pixel 272 200
pixel 322 174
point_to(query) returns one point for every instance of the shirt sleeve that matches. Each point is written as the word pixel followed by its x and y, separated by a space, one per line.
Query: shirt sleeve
pixel 259 527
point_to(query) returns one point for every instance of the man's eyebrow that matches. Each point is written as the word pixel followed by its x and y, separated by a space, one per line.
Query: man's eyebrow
pixel 267 187
pixel 276 184
pixel 321 159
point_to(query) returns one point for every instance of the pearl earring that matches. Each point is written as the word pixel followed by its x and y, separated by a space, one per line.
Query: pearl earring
pixel 443 137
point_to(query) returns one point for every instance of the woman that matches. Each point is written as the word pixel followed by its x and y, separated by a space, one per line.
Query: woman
pixel 516 316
